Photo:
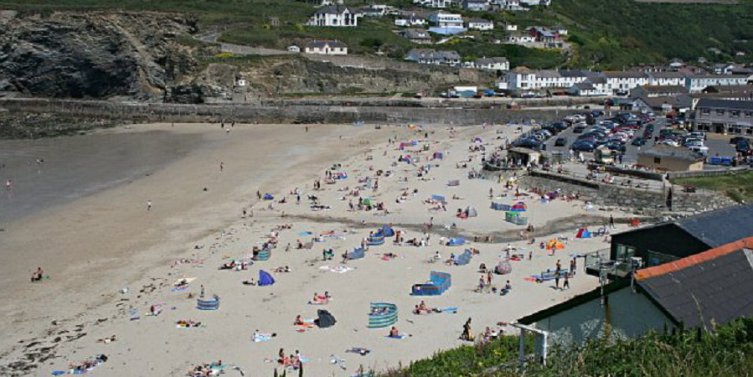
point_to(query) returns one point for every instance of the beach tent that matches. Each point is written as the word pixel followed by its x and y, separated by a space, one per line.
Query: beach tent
pixel 497 206
pixel 439 198
pixel 519 207
pixel 583 233
pixel 211 304
pixel 382 314
pixel 438 156
pixel 478 140
pixel 265 278
pixel 554 245
pixel 438 283
pixel 453 182
pixel 375 240
pixel 325 319
pixel 368 202
pixel 471 211
pixel 463 259
pixel 387 231
pixel 268 196
pixel 456 241
pixel 503 267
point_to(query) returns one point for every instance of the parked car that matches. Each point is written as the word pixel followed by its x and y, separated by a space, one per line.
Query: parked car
pixel 615 146
pixel 582 146
pixel 560 142
pixel 736 140
pixel 579 129
pixel 638 141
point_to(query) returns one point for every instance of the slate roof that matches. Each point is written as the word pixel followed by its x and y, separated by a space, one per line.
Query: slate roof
pixel 667 75
pixel 493 60
pixel 720 227
pixel 724 104
pixel 334 9
pixel 624 74
pixel 679 101
pixel 713 286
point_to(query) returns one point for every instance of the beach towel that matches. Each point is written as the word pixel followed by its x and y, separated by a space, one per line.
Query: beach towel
pixel 304 234
pixel 451 309
pixel 262 338
pixel 399 337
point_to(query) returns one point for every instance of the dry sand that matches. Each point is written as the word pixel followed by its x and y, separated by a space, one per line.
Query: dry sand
pixel 99 244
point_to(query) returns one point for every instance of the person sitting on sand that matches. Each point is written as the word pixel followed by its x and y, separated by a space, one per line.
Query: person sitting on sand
pixel 450 261
pixel 394 332
pixel 482 268
pixel 298 321
pixel 249 282
pixel 37 275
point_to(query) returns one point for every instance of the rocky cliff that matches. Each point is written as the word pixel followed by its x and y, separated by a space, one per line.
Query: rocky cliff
pixel 93 55
pixel 154 57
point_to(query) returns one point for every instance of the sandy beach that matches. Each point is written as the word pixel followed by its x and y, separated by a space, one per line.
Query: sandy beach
pixel 109 255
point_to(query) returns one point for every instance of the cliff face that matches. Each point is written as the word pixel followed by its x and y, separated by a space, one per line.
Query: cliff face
pixel 93 55
pixel 153 57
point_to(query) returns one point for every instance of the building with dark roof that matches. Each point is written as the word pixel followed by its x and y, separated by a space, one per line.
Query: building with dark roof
pixel 667 242
pixel 724 116
pixel 698 291
pixel 326 47
pixel 335 16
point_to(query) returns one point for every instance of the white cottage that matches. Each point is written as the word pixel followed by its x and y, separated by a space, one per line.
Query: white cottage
pixel 335 16
pixel 326 47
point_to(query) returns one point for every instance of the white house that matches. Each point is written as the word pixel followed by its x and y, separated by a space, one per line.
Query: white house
pixel 492 64
pixel 511 27
pixel 335 16
pixel 411 20
pixel 480 24
pixel 668 78
pixel 440 4
pixel 520 38
pixel 420 36
pixel 430 56
pixel 624 81
pixel 326 47
pixel 446 20
pixel 697 83
pixel 294 49
pixel 533 3
pixel 476 5
pixel 522 78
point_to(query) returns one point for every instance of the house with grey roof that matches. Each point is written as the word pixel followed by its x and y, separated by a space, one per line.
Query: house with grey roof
pixel 335 16
pixel 709 288
pixel 666 78
pixel 420 36
pixel 697 83
pixel 724 116
pixel 480 24
pixel 475 5
pixel 668 158
pixel 431 56
pixel 491 64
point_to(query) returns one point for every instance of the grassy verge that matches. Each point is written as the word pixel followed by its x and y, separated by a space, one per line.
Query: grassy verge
pixel 727 352
pixel 738 187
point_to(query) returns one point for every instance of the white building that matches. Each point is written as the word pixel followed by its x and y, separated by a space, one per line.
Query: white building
pixel 533 3
pixel 476 5
pixel 335 16
pixel 294 49
pixel 668 78
pixel 480 24
pixel 624 81
pixel 439 4
pixel 520 38
pixel 446 20
pixel 324 47
pixel 408 21
pixel 697 83
pixel 430 56
pixel 491 64
pixel 511 27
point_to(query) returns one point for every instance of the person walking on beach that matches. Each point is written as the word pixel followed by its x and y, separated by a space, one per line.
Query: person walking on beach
pixel 566 284
pixel 222 166
pixel 8 184
pixel 148 205
pixel 201 294
pixel 611 221
pixel 557 280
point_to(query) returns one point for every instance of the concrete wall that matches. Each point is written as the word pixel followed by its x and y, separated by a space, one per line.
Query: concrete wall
pixel 669 164
pixel 629 314
pixel 283 113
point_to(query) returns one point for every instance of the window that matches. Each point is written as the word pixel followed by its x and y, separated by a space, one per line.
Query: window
pixel 624 252
pixel 705 111
pixel 735 113
pixel 719 112
pixel 749 114
pixel 654 258
pixel 657 160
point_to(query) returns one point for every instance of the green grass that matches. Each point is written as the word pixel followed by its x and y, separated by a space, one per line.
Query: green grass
pixel 610 34
pixel 738 187
pixel 727 352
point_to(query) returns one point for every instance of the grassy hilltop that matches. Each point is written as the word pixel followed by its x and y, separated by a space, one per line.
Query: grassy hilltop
pixel 605 34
